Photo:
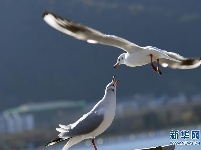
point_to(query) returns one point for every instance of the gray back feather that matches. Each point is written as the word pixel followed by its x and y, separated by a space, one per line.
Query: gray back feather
pixel 87 124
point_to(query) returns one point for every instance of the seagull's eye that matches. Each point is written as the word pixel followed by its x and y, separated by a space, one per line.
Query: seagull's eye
pixel 119 59
pixel 122 58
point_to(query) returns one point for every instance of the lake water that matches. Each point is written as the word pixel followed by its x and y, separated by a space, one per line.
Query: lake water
pixel 128 142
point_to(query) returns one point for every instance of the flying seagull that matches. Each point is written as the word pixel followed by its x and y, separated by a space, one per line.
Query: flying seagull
pixel 135 55
pixel 92 123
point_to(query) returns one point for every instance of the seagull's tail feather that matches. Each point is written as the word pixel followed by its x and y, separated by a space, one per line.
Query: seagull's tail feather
pixel 63 135
pixel 64 126
pixel 63 130
pixel 55 141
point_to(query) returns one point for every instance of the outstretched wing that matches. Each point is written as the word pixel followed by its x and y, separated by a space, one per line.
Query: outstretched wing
pixel 185 63
pixel 85 33
pixel 86 124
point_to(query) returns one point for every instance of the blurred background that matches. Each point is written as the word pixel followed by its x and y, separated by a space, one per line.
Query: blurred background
pixel 48 78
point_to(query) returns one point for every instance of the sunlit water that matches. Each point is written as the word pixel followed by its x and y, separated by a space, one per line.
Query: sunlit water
pixel 129 142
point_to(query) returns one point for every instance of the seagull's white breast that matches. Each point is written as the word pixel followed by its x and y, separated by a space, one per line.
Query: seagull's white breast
pixel 138 58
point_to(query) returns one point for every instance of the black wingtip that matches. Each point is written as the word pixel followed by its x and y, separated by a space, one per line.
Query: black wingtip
pixel 45 13
pixel 190 61
pixel 55 141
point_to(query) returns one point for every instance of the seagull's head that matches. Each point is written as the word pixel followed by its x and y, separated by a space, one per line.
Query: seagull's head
pixel 112 85
pixel 120 60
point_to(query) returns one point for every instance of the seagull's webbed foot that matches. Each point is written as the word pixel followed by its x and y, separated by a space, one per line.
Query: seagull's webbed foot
pixel 154 67
pixel 93 142
pixel 158 70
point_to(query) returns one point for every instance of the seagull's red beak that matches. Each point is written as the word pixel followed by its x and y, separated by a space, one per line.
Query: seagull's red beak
pixel 116 65
pixel 114 81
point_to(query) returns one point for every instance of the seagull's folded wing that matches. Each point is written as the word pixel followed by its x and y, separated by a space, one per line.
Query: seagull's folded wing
pixel 185 63
pixel 88 34
pixel 86 124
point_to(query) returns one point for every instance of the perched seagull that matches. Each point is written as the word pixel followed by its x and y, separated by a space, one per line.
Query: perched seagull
pixel 135 55
pixel 91 124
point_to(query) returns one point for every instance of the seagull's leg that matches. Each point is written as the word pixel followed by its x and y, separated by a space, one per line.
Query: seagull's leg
pixel 158 70
pixel 93 142
pixel 153 66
